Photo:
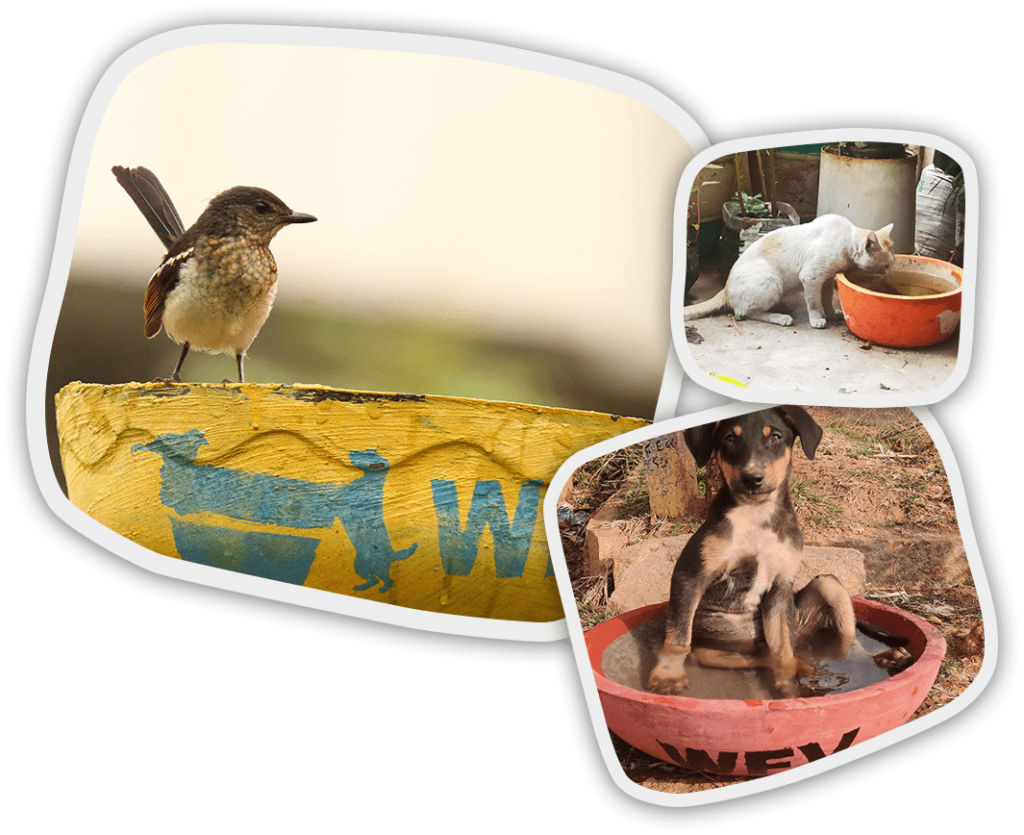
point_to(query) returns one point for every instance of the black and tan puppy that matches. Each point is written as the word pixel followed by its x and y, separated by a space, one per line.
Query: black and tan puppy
pixel 731 602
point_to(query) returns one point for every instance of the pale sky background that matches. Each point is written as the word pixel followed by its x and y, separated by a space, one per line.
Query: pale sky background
pixel 487 196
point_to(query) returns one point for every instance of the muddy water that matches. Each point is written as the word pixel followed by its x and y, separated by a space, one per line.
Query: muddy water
pixel 899 283
pixel 628 660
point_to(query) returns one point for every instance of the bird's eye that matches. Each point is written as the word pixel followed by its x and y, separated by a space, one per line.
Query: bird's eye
pixel 261 208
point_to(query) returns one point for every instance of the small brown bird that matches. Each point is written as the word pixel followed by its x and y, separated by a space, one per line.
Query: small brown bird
pixel 215 287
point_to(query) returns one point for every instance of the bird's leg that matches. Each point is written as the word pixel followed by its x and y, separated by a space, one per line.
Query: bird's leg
pixel 241 377
pixel 176 376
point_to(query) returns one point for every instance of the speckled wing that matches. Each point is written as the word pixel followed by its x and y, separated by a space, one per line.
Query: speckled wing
pixel 162 282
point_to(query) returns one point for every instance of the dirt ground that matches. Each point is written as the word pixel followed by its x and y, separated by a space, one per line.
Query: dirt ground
pixel 877 484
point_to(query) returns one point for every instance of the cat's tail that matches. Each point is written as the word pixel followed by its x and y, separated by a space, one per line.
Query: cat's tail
pixel 716 304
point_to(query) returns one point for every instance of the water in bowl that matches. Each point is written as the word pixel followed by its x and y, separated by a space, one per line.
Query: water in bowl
pixel 629 659
pixel 904 283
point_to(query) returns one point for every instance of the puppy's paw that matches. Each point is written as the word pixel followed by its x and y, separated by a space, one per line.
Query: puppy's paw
pixel 667 686
pixel 894 660
pixel 804 669
pixel 788 670
pixel 818 322
pixel 791 689
pixel 669 676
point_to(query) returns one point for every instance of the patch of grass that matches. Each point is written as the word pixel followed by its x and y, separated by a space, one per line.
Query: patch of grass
pixel 591 596
pixel 637 499
pixel 590 616
pixel 596 481
pixel 681 528
pixel 880 431
pixel 813 504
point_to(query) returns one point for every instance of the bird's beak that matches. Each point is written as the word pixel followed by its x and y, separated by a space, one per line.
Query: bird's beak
pixel 298 217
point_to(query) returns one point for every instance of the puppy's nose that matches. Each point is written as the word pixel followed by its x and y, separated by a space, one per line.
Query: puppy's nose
pixel 752 480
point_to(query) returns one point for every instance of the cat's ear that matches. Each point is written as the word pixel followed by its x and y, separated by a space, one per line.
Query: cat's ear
pixel 873 237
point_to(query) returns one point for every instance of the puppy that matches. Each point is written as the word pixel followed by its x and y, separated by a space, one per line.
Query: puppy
pixel 731 602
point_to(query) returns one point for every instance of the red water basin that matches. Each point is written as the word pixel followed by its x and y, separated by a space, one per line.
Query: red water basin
pixel 763 736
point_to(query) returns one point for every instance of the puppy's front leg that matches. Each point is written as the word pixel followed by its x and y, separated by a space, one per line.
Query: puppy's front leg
pixel 669 675
pixel 777 611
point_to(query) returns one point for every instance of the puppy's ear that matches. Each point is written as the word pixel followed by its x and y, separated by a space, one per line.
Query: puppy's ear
pixel 701 441
pixel 804 426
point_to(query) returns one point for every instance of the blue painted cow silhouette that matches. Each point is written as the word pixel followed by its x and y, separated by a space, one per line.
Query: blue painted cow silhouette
pixel 188 487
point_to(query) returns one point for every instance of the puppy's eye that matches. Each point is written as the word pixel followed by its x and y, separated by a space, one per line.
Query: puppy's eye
pixel 776 437
pixel 261 208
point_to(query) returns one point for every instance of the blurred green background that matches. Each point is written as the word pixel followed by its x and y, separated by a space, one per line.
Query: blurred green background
pixel 99 339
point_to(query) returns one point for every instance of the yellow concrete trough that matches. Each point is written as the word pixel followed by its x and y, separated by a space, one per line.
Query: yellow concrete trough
pixel 428 503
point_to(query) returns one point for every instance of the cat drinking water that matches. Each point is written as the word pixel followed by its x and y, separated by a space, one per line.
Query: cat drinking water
pixel 807 256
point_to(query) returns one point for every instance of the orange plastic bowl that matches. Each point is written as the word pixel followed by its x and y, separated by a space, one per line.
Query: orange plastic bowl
pixel 926 311
pixel 762 736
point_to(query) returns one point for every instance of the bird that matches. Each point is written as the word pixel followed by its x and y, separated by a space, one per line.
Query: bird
pixel 216 285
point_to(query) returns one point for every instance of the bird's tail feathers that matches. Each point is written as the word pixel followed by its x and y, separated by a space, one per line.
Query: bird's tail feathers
pixel 153 201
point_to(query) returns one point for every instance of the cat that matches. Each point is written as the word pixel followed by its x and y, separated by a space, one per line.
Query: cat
pixel 809 255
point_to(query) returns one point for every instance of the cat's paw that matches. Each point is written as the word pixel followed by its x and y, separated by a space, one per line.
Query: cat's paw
pixel 818 322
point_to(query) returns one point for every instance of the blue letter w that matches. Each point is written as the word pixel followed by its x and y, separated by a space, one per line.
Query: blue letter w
pixel 511 542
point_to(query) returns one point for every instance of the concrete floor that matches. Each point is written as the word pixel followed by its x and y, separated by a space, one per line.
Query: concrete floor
pixel 800 358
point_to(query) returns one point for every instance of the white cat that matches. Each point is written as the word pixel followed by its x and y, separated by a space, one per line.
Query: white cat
pixel 809 255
